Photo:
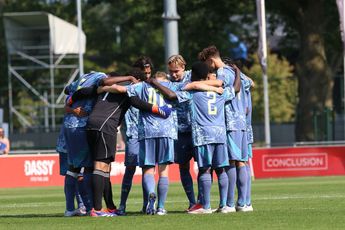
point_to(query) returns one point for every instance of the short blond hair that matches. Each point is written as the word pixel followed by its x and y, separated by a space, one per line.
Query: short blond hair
pixel 161 75
pixel 177 60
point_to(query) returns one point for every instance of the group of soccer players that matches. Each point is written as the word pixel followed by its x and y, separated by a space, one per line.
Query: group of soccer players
pixel 203 113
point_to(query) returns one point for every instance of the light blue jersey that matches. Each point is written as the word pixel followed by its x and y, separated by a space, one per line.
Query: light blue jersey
pixel 183 107
pixel 152 125
pixel 249 128
pixel 234 111
pixel 247 104
pixel 131 122
pixel 87 80
pixel 207 110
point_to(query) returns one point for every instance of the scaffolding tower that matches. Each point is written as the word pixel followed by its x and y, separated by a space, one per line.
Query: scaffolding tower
pixel 42 54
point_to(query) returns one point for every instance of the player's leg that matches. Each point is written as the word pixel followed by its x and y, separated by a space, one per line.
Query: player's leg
pixel 242 174
pixel 183 155
pixel 108 194
pixel 70 188
pixel 162 188
pixel 131 161
pixel 103 149
pixel 165 156
pixel 232 177
pixel 204 160
pixel 82 159
pixel 249 180
pixel 241 185
pixel 220 162
pixel 147 163
pixel 126 188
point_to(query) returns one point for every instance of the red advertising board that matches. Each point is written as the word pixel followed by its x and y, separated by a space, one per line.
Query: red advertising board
pixel 43 170
pixel 299 161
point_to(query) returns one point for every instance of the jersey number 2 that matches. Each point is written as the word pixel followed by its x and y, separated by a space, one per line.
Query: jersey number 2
pixel 212 109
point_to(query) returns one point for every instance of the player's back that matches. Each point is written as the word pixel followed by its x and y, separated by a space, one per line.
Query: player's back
pixel 152 125
pixel 208 124
pixel 87 80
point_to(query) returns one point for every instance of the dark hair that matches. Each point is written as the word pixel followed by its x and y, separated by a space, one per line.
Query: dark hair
pixel 113 74
pixel 137 73
pixel 228 60
pixel 143 62
pixel 199 71
pixel 208 52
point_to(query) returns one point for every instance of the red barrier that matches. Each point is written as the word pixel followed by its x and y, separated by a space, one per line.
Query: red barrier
pixel 299 161
pixel 43 170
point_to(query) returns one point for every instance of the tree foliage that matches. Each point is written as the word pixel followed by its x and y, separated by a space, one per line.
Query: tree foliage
pixel 282 89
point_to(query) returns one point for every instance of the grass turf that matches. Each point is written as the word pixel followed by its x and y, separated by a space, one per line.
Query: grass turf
pixel 294 203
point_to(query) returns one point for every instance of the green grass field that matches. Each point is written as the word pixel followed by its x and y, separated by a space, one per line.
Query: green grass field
pixel 294 203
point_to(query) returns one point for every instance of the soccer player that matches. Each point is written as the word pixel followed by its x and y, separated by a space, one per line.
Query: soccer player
pixel 63 162
pixel 235 126
pixel 183 145
pixel 209 138
pixel 246 84
pixel 76 142
pixel 103 122
pixel 156 141
pixel 132 143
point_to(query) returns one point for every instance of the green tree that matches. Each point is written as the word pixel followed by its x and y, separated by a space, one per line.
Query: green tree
pixel 312 36
pixel 282 89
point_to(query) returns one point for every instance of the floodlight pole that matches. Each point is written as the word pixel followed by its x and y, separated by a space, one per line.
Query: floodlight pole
pixel 81 61
pixel 170 18
pixel 263 40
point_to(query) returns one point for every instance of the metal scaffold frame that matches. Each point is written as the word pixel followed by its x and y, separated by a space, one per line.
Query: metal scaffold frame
pixel 42 58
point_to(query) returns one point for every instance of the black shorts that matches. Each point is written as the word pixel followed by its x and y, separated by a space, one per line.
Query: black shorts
pixel 102 145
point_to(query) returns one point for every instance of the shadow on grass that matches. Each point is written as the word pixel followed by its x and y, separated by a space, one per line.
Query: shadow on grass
pixel 33 215
pixel 50 215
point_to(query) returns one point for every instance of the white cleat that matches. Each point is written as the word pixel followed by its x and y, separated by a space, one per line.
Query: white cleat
pixel 201 211
pixel 161 212
pixel 226 209
pixel 249 208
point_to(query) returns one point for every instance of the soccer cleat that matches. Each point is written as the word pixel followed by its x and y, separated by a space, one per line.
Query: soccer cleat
pixel 249 208
pixel 70 213
pixel 121 211
pixel 194 207
pixel 150 209
pixel 101 213
pixel 201 211
pixel 241 208
pixel 80 211
pixel 113 211
pixel 226 209
pixel 161 212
